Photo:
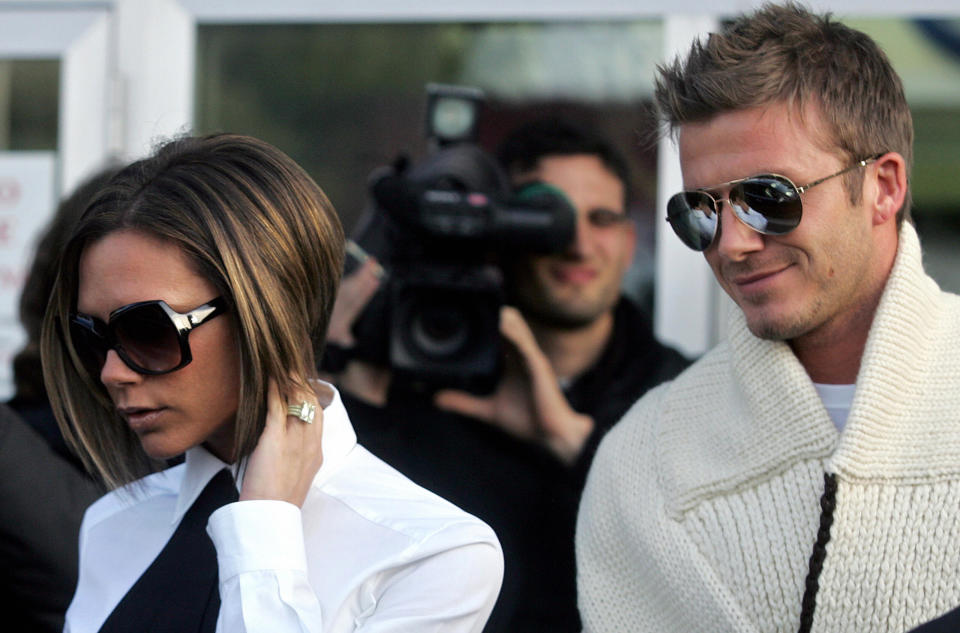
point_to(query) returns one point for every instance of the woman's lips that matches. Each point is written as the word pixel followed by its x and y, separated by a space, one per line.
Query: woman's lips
pixel 142 419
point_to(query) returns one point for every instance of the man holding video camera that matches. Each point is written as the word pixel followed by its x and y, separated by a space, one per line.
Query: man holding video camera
pixel 578 355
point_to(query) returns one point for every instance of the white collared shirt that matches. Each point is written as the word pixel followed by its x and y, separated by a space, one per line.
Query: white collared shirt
pixel 369 550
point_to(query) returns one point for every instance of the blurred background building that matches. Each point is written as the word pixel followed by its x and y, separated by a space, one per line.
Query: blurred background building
pixel 340 87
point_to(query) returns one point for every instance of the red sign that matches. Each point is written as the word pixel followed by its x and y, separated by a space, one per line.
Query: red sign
pixel 9 192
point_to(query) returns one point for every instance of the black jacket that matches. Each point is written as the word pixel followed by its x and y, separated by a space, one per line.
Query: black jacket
pixel 520 489
pixel 43 497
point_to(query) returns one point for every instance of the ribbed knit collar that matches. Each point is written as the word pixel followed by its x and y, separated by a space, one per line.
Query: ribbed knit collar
pixel 904 424
pixel 906 409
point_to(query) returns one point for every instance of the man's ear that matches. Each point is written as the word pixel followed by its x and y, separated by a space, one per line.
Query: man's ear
pixel 888 187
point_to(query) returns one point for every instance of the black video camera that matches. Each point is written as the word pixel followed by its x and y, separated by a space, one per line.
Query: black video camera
pixel 442 230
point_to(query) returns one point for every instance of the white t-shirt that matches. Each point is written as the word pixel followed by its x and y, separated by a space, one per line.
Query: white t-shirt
pixel 369 550
pixel 837 400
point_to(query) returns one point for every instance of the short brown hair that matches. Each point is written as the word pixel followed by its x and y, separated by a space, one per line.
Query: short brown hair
pixel 251 221
pixel 785 53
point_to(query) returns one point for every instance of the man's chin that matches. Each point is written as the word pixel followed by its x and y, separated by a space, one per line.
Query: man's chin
pixel 775 329
pixel 563 319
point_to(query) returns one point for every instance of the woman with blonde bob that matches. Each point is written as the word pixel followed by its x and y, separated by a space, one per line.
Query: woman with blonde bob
pixel 187 318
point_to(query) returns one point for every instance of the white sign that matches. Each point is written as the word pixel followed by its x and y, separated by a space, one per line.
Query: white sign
pixel 27 202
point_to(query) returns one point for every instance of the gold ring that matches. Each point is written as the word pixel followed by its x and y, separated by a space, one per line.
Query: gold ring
pixel 304 411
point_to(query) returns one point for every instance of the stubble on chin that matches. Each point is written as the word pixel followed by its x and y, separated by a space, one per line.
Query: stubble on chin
pixel 785 327
pixel 759 309
pixel 555 314
pixel 557 308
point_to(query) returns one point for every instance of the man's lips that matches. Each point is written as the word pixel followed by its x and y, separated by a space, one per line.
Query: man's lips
pixel 574 274
pixel 756 280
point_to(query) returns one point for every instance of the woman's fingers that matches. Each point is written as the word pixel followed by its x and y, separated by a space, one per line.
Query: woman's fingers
pixel 276 414
pixel 289 452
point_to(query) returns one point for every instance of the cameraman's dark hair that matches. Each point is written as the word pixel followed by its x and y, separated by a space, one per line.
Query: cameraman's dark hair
pixel 785 53
pixel 523 149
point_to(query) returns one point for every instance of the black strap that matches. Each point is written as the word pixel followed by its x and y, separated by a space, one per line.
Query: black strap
pixel 179 592
pixel 828 502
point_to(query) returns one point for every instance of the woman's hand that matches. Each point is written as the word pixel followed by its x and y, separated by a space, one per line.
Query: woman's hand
pixel 288 454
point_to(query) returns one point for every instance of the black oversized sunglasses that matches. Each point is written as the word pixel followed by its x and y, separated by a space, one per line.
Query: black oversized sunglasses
pixel 768 203
pixel 149 336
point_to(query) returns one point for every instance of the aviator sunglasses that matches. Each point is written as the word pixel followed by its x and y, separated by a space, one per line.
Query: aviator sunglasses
pixel 150 337
pixel 768 203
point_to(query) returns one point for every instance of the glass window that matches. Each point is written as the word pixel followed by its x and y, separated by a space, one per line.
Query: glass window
pixel 926 55
pixel 29 103
pixel 345 99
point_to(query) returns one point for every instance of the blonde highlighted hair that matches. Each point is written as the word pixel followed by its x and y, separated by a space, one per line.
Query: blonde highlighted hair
pixel 254 224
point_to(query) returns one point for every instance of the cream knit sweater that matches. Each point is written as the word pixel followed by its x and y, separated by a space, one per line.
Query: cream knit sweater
pixel 702 506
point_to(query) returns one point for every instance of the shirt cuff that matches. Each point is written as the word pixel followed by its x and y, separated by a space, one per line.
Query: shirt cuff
pixel 257 536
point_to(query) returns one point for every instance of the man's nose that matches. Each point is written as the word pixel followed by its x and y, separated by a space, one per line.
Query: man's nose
pixel 580 245
pixel 736 240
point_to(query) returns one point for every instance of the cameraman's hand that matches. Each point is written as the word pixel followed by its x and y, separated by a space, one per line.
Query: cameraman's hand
pixel 355 292
pixel 528 401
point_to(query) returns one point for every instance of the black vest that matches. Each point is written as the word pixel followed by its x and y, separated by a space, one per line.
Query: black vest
pixel 179 592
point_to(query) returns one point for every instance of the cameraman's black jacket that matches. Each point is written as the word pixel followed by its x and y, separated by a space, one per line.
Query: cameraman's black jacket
pixel 521 490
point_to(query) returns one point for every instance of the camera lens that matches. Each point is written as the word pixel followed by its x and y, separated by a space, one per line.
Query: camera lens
pixel 440 331
pixel 453 118
pixel 444 327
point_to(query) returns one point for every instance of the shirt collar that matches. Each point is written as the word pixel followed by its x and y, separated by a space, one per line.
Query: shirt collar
pixel 201 465
pixel 339 438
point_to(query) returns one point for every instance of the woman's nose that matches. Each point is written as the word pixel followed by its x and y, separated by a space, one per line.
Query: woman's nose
pixel 116 372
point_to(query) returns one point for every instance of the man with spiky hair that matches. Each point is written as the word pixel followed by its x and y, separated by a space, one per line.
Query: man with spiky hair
pixel 803 475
